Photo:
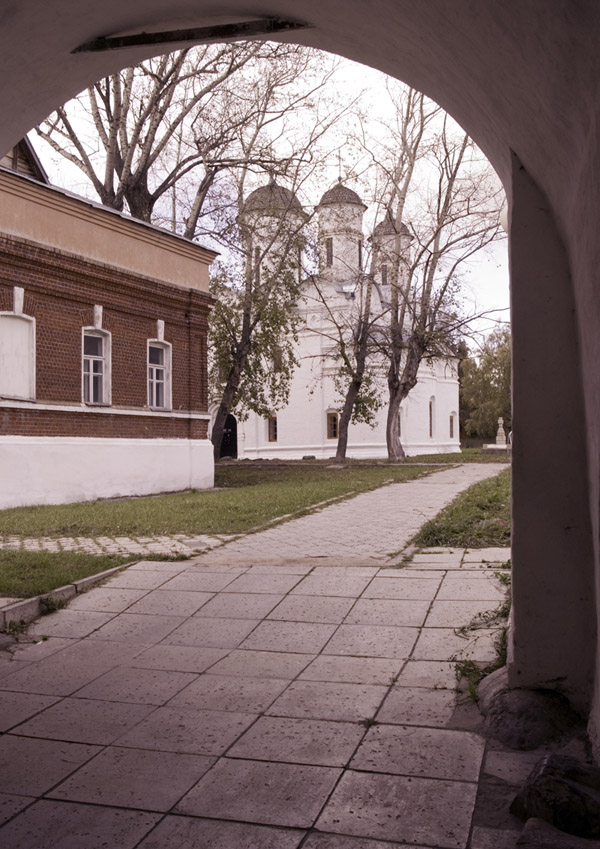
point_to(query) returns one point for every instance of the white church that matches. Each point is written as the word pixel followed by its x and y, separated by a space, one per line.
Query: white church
pixel 308 425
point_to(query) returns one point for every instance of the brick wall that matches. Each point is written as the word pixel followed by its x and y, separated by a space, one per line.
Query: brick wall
pixel 60 293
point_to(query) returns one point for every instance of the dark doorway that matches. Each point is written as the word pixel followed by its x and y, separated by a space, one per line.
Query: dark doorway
pixel 229 441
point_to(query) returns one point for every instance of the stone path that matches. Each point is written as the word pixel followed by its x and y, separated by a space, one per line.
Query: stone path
pixel 236 702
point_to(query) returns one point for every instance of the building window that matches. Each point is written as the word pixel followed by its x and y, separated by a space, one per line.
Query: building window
pixel 96 367
pixel 431 416
pixel 257 265
pixel 272 428
pixel 451 427
pixel 159 375
pixel 332 425
pixel 329 251
pixel 384 275
pixel 360 256
pixel 399 422
pixel 17 351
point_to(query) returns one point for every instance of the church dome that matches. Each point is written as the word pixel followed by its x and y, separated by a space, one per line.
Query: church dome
pixel 340 194
pixel 387 227
pixel 272 199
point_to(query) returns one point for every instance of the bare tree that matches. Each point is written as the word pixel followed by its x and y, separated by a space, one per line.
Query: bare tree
pixel 167 128
pixel 436 176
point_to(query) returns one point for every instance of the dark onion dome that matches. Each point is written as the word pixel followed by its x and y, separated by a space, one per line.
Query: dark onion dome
pixel 387 227
pixel 272 199
pixel 340 194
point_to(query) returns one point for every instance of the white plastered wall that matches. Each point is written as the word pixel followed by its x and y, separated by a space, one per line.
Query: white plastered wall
pixel 60 470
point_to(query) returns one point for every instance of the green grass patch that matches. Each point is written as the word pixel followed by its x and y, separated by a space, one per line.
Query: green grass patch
pixel 27 573
pixel 477 518
pixel 247 496
pixel 467 455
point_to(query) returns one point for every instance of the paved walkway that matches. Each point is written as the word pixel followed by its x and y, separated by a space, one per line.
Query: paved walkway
pixel 232 702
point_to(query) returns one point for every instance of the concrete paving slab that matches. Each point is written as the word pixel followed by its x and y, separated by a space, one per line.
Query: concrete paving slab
pixel 335 585
pixel 512 767
pixel 262 664
pixel 327 609
pixel 171 602
pixel 263 583
pixel 139 579
pixel 10 805
pixel 18 707
pixel 106 600
pixel 459 614
pixel 196 732
pixel 326 700
pixel 352 571
pixel 211 632
pixel 335 841
pixel 372 641
pixel 280 568
pixel 240 605
pixel 494 838
pixel 403 587
pixel 68 670
pixel 428 673
pixel 418 706
pixel 356 670
pixel 69 623
pixel 32 651
pixel 299 741
pixel 138 628
pixel 487 555
pixel 134 778
pixel 302 637
pixel 82 721
pixel 138 686
pixel 425 752
pixel 185 833
pixel 267 793
pixel 50 825
pixel 400 808
pixel 444 643
pixel 178 658
pixel 462 588
pixel 30 767
pixel 196 581
pixel 381 611
pixel 230 693
pixel 171 566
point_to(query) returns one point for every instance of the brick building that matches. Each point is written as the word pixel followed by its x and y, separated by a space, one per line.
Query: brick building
pixel 103 328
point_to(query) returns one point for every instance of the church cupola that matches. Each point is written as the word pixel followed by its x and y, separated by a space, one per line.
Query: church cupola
pixel 390 247
pixel 340 213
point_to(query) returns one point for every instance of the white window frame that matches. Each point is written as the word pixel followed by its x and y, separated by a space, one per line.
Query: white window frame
pixel 18 316
pixel 107 369
pixel 168 371
pixel 332 413
pixel 272 429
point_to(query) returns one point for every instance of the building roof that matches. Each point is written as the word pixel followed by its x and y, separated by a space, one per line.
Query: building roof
pixel 387 227
pixel 340 194
pixel 272 199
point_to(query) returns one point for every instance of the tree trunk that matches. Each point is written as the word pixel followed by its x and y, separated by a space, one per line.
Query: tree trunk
pixel 344 421
pixel 396 452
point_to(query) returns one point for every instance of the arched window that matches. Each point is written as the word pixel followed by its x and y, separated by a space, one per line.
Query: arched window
pixel 452 425
pixel 360 254
pixel 329 252
pixel 431 416
pixel 96 366
pixel 384 275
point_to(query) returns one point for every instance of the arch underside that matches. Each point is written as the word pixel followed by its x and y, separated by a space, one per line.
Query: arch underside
pixel 522 80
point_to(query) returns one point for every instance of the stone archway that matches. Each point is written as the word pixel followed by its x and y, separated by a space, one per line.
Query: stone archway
pixel 519 77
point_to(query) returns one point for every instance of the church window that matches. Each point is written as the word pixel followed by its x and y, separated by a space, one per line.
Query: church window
pixel 257 265
pixel 159 374
pixel 332 425
pixel 400 422
pixel 360 254
pixel 431 416
pixel 96 387
pixel 452 427
pixel 384 275
pixel 329 251
pixel 272 428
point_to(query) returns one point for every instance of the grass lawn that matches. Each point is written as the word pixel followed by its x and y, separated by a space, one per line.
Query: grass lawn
pixel 29 573
pixel 467 455
pixel 248 496
pixel 478 518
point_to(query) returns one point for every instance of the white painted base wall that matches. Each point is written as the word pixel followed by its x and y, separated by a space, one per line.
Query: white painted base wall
pixel 60 470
